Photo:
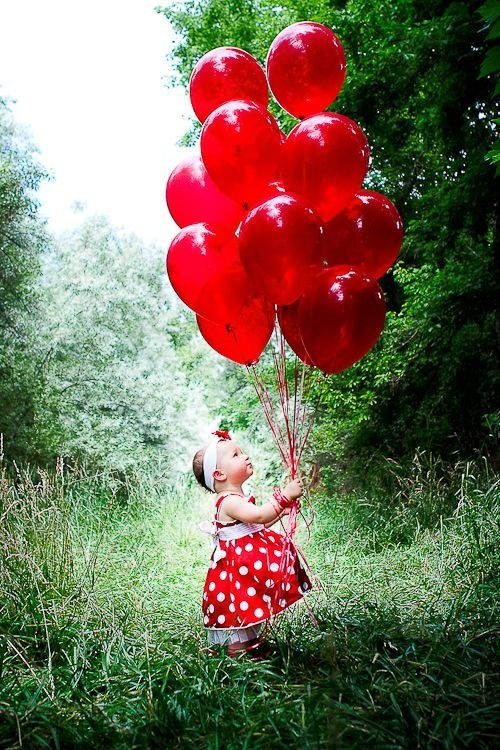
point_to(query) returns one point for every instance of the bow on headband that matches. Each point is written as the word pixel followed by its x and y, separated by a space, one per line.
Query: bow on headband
pixel 222 434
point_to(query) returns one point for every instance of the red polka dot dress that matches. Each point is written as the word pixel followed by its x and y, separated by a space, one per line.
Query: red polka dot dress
pixel 251 578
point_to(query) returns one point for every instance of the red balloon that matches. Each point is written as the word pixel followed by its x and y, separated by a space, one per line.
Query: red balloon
pixel 193 197
pixel 271 191
pixel 279 240
pixel 243 340
pixel 196 254
pixel 288 318
pixel 224 295
pixel 368 234
pixel 305 68
pixel 341 315
pixel 223 74
pixel 241 147
pixel 325 159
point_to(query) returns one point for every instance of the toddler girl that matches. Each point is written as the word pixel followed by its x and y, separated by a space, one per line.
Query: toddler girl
pixel 253 574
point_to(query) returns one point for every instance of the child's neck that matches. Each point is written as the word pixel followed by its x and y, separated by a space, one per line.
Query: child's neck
pixel 231 489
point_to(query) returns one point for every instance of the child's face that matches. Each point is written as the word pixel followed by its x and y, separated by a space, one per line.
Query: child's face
pixel 232 462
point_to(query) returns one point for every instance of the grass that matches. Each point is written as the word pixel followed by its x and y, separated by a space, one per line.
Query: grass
pixel 102 646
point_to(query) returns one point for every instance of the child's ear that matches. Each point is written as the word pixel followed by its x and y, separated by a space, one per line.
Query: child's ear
pixel 219 475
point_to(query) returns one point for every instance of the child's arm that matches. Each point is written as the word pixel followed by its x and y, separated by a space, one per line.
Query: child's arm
pixel 278 518
pixel 241 510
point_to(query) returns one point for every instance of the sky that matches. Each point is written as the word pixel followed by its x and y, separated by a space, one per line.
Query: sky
pixel 88 80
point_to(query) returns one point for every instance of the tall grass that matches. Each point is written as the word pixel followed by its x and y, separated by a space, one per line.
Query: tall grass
pixel 101 639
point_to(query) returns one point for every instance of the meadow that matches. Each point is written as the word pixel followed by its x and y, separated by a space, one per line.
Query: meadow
pixel 101 642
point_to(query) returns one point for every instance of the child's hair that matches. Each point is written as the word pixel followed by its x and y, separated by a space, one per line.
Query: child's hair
pixel 198 468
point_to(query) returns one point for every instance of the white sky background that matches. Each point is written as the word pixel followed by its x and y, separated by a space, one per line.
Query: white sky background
pixel 89 83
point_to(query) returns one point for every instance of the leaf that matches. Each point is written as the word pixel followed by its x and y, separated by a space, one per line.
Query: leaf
pixel 491 62
pixel 493 157
pixel 494 32
pixel 490 10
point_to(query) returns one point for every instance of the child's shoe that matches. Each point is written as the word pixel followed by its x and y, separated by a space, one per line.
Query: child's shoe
pixel 254 649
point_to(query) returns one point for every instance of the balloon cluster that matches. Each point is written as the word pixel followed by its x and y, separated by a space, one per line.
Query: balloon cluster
pixel 274 225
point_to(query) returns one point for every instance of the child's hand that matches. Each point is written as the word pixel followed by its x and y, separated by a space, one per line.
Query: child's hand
pixel 294 489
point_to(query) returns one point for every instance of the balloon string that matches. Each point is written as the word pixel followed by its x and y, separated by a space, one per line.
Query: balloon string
pixel 300 410
pixel 268 408
pixel 287 561
pixel 291 430
pixel 271 415
pixel 290 418
pixel 309 424
pixel 281 378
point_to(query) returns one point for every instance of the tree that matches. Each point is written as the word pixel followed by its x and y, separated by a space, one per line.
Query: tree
pixel 119 393
pixel 490 12
pixel 88 363
pixel 22 240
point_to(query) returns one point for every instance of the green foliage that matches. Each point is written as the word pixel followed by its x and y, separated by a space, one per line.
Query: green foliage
pixel 119 396
pixel 490 12
pixel 424 383
pixel 414 84
pixel 101 640
pixel 22 238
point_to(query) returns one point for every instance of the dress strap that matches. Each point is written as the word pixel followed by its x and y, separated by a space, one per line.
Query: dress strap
pixel 217 507
pixel 219 500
